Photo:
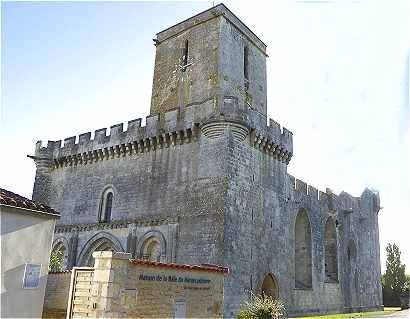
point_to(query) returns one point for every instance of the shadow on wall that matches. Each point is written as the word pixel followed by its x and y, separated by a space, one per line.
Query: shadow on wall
pixel 8 226
pixel 56 296
pixel 17 302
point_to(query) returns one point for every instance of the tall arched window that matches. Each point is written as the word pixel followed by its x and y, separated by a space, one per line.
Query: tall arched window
pixel 331 267
pixel 106 206
pixel 152 249
pixel 303 251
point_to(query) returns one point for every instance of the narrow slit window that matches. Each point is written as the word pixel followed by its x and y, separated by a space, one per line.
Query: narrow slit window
pixel 185 55
pixel 246 62
pixel 108 207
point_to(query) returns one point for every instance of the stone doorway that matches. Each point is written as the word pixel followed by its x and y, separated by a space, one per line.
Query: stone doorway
pixel 270 286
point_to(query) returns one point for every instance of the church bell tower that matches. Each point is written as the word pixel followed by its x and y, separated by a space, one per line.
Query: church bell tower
pixel 206 59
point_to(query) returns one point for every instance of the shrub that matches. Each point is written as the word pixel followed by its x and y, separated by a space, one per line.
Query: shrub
pixel 56 261
pixel 262 307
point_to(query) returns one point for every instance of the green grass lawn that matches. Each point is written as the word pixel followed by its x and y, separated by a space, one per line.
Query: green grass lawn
pixel 357 314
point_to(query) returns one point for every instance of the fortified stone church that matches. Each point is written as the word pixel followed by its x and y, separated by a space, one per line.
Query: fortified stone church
pixel 206 182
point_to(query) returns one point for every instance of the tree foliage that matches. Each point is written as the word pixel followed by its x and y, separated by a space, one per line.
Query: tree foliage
pixel 262 307
pixel 394 281
pixel 56 261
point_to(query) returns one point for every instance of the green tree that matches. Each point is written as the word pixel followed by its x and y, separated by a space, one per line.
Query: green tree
pixel 407 286
pixel 394 281
pixel 56 261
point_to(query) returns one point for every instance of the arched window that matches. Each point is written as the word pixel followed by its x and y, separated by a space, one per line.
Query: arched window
pixel 270 287
pixel 151 249
pixel 303 251
pixel 106 206
pixel 58 257
pixel 331 267
pixel 101 242
pixel 100 245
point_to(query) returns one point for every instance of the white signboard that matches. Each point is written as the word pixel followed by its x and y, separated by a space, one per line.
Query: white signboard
pixel 31 278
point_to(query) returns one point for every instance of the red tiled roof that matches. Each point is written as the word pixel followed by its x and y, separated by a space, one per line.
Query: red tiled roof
pixel 59 272
pixel 209 268
pixel 12 199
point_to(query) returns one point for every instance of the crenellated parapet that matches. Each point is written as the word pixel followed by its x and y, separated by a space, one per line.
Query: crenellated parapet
pixel 241 120
pixel 168 130
pixel 299 190
pixel 158 133
pixel 274 141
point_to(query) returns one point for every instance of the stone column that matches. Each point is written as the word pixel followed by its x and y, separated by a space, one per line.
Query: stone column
pixel 131 243
pixel 110 274
pixel 72 250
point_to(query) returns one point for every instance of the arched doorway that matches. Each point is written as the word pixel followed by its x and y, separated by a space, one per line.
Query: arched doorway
pixel 270 287
pixel 101 242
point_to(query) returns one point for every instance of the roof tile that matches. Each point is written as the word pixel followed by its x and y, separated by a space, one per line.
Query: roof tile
pixel 12 199
pixel 209 268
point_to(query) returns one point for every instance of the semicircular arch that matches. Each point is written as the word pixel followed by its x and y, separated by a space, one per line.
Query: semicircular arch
pixel 148 236
pixel 59 251
pixel 101 240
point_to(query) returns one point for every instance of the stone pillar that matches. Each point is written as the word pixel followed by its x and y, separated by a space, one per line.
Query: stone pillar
pixel 131 243
pixel 110 274
pixel 72 250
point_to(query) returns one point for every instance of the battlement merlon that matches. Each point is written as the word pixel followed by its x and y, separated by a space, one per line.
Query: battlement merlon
pixel 212 13
pixel 368 200
pixel 171 127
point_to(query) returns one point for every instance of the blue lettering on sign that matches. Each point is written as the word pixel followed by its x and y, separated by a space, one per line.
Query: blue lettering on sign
pixel 172 278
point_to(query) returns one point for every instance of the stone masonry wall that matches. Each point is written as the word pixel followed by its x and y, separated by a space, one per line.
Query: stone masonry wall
pixel 232 81
pixel 234 204
pixel 56 296
pixel 199 82
pixel 122 289
pixel 212 179
pixel 261 206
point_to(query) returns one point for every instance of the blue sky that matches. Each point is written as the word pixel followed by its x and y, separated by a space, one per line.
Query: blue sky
pixel 337 78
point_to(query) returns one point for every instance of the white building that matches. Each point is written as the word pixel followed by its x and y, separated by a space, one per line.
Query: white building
pixel 27 229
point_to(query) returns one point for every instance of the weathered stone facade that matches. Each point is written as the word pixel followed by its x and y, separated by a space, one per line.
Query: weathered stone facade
pixel 205 181
pixel 124 288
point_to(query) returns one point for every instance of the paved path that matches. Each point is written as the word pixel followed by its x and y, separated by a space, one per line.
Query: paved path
pixel 398 314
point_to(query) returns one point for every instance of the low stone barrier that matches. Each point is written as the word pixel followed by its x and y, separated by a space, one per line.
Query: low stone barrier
pixel 127 288
pixel 56 296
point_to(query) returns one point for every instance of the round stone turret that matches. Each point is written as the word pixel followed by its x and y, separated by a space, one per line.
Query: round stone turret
pixel 216 129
